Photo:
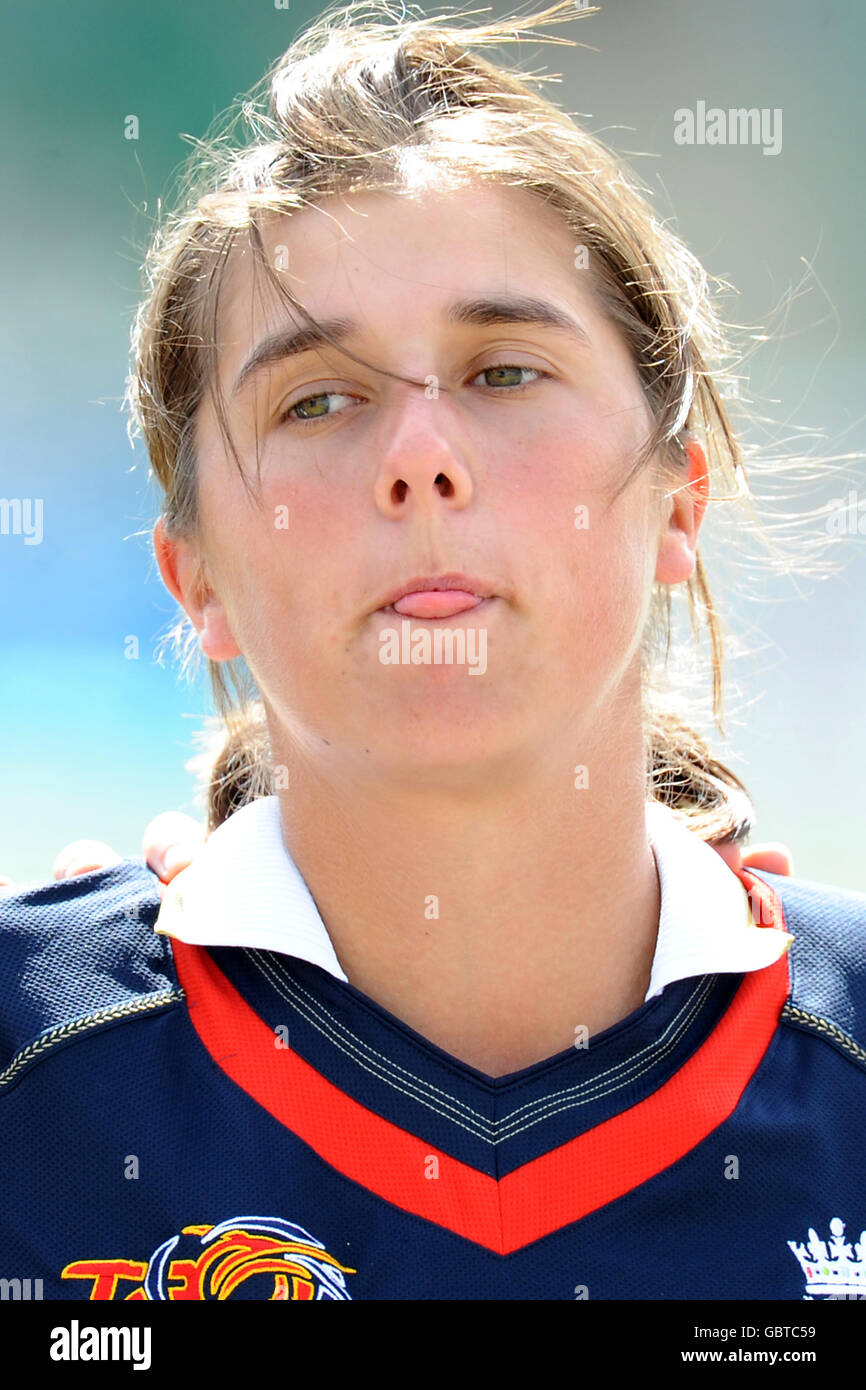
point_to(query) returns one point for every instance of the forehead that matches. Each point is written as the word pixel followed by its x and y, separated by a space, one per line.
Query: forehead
pixel 391 259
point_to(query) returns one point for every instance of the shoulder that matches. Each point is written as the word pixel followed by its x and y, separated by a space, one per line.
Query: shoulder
pixel 827 960
pixel 82 949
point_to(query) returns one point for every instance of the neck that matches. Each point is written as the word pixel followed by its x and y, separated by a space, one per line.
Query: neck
pixel 499 926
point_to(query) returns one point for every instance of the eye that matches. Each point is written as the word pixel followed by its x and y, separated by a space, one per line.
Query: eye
pixel 504 369
pixel 314 401
pixel 308 405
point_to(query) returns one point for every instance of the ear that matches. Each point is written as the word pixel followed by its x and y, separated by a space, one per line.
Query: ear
pixel 679 541
pixel 183 575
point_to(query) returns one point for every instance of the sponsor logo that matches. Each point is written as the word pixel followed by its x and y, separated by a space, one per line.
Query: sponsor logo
pixel 270 1258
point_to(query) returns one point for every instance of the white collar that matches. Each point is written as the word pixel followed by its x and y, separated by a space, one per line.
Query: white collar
pixel 706 926
pixel 244 889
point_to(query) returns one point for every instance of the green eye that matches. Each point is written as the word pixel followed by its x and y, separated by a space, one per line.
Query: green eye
pixel 504 369
pixel 306 402
pixel 321 399
pixel 314 409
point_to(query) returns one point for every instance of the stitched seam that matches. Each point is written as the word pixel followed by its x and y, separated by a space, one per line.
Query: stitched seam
pixel 700 989
pixel 332 1033
pixel 595 1088
pixel 555 1108
pixel 823 1027
pixel 485 1129
pixel 630 1066
pixel 57 1035
pixel 660 1047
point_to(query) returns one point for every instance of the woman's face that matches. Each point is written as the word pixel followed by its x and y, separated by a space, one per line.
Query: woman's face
pixel 500 465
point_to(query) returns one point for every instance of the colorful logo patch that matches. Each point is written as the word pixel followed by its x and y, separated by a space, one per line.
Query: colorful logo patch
pixel 274 1259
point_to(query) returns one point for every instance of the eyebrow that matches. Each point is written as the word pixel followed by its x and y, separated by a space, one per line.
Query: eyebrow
pixel 482 312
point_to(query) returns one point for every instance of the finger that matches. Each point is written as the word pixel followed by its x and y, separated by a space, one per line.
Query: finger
pixel 170 842
pixel 773 857
pixel 83 857
pixel 6 884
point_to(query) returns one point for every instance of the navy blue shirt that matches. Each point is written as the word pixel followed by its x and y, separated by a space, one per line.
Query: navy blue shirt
pixel 179 1122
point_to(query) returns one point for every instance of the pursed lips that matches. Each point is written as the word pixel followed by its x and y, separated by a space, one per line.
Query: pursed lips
pixel 443 596
pixel 437 603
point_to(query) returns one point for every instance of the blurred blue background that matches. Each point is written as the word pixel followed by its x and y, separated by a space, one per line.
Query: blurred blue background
pixel 94 743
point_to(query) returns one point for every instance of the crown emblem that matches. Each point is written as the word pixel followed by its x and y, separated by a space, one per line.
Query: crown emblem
pixel 834 1269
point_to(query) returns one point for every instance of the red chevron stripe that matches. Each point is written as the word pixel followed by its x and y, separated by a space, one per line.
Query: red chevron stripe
pixel 541 1196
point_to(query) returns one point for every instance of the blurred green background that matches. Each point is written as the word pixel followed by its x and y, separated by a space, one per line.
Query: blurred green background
pixel 93 743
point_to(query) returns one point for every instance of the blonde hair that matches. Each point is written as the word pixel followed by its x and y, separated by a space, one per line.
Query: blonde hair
pixel 361 101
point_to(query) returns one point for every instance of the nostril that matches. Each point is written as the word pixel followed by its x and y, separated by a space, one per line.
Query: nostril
pixel 443 483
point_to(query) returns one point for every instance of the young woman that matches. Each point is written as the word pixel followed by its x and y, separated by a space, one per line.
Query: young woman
pixel 456 1000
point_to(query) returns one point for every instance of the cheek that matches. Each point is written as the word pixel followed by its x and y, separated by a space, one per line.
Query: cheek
pixel 598 577
pixel 282 570
pixel 575 536
pixel 290 545
pixel 608 569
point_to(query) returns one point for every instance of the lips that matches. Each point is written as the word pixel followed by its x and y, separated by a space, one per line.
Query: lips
pixel 441 596
pixel 432 603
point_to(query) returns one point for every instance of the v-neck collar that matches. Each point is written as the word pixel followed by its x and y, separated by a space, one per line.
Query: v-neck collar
pixel 562 1182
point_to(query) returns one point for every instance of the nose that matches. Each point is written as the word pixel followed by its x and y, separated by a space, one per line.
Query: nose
pixel 423 457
